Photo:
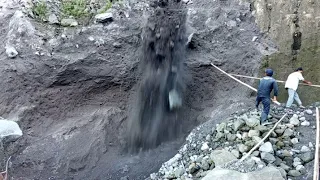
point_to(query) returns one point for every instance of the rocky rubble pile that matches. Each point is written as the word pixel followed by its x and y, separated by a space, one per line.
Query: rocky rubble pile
pixel 283 154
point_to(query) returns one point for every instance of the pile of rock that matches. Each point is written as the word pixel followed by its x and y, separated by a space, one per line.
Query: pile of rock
pixel 283 153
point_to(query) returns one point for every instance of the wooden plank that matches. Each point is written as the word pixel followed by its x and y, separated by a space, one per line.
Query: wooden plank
pixel 316 159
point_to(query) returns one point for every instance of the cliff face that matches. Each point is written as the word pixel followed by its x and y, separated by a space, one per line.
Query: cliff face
pixel 294 26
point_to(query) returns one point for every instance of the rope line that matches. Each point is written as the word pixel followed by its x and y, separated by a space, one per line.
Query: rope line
pixel 250 77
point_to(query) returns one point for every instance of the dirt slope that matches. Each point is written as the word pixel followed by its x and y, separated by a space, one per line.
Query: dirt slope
pixel 72 95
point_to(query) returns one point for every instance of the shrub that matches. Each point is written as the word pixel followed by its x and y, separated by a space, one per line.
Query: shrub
pixel 75 8
pixel 40 10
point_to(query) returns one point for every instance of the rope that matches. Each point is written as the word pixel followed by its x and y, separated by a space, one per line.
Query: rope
pixel 254 89
pixel 316 159
pixel 237 75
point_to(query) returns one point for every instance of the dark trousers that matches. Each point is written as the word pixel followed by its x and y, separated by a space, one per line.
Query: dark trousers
pixel 266 107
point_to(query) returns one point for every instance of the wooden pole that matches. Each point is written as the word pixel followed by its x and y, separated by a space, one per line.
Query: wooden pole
pixel 316 159
pixel 262 140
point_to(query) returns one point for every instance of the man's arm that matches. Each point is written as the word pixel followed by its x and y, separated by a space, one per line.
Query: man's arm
pixel 307 82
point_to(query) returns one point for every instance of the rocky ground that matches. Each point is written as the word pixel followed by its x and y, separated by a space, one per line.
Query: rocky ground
pixel 288 153
pixel 71 89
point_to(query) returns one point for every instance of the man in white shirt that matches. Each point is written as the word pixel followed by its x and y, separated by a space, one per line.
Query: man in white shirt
pixel 292 86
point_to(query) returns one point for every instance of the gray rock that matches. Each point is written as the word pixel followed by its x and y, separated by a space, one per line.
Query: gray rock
pixel 278 161
pixel 309 111
pixel 204 147
pixel 208 137
pixel 294 173
pixel 280 144
pixel 178 172
pixel 285 167
pixel 253 133
pixel 302 119
pixel 69 22
pixel 288 133
pixel 256 139
pixel 221 127
pixel 262 129
pixel 273 140
pixel 238 123
pixel 268 157
pixel 288 160
pixel 280 131
pixel 252 121
pixel 295 164
pixel 266 147
pixel 294 120
pixel 305 149
pixel 296 159
pixel 243 148
pixel 300 168
pixel 9 130
pixel 53 19
pixel 295 140
pixel 267 173
pixel 221 157
pixel 307 157
pixel 305 123
pixel 11 51
pixel 255 153
pixel 219 135
pixel 104 17
pixel 231 137
pixel 193 168
pixel 236 153
pixel 204 164
pixel 283 172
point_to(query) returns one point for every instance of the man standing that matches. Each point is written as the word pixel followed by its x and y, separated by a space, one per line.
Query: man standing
pixel 266 85
pixel 292 86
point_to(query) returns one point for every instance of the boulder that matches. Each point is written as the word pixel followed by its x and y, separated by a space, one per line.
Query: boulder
pixel 243 148
pixel 238 123
pixel 309 111
pixel 53 19
pixel 11 51
pixel 294 120
pixel 253 133
pixel 288 133
pixel 305 123
pixel 221 127
pixel 294 173
pixel 295 140
pixel 252 121
pixel 305 149
pixel 307 156
pixel 104 17
pixel 266 147
pixel 268 157
pixel 267 173
pixel 221 157
pixel 9 130
pixel 69 22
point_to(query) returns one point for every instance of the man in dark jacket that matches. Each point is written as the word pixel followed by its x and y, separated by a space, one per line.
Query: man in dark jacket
pixel 266 85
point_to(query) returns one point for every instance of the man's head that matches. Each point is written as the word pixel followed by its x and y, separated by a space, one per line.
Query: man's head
pixel 269 72
pixel 299 69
